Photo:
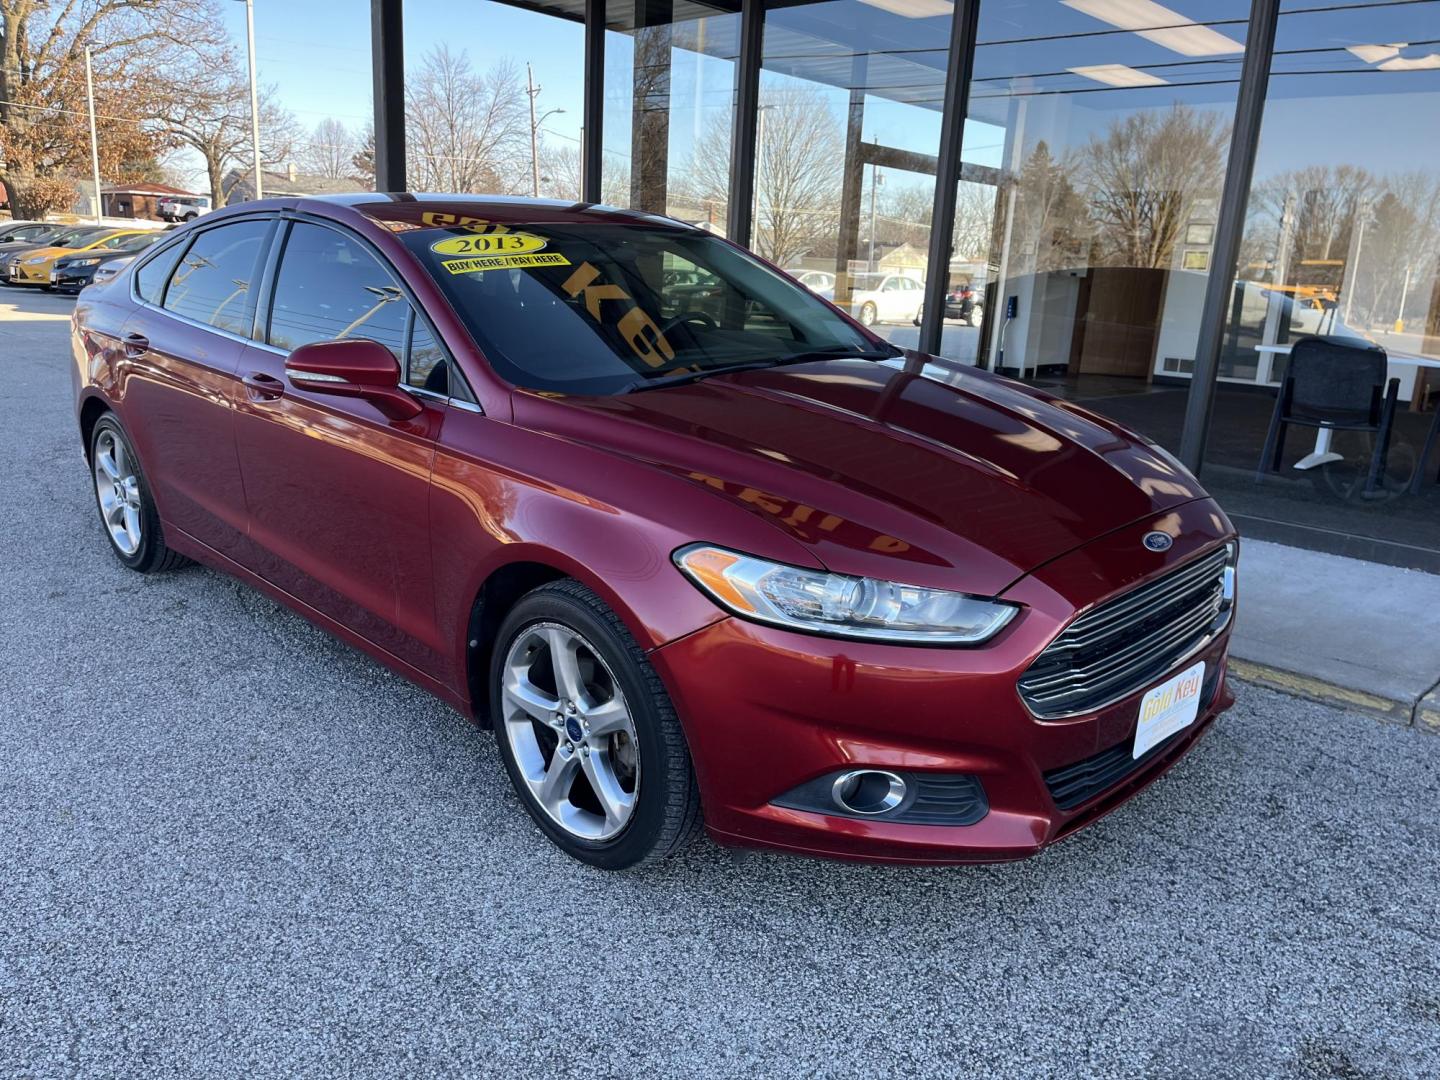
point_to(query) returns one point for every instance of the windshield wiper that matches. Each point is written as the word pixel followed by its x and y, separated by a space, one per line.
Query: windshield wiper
pixel 834 352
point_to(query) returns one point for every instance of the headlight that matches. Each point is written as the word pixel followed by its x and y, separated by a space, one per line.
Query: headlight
pixel 823 603
pixel 36 260
pixel 82 262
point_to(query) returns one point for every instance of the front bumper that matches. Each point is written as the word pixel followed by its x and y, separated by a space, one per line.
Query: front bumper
pixel 20 274
pixel 72 280
pixel 768 710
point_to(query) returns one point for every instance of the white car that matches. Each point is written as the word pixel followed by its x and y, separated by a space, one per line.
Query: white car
pixel 183 207
pixel 890 298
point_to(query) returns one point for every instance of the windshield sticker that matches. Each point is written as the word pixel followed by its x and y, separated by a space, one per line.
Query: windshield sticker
pixel 645 339
pixel 492 243
pixel 504 262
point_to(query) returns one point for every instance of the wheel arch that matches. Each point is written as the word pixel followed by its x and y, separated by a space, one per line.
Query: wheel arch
pixel 91 409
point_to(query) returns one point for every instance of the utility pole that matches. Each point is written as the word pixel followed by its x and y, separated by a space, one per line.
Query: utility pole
pixel 94 139
pixel 875 181
pixel 533 91
pixel 254 96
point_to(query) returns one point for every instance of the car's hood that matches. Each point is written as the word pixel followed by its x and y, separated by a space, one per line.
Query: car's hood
pixel 969 479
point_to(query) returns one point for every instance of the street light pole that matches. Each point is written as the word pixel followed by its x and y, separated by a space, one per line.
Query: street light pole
pixel 94 139
pixel 254 96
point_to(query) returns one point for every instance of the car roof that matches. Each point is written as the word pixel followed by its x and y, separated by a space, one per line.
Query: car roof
pixel 405 210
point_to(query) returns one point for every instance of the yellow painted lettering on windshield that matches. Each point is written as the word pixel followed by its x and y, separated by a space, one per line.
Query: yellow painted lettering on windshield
pixel 639 330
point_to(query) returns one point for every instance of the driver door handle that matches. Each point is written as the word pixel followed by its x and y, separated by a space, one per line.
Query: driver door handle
pixel 263 387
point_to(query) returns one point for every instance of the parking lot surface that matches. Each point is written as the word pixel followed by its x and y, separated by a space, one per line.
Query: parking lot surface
pixel 231 846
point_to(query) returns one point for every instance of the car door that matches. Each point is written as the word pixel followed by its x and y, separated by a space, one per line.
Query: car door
pixel 338 494
pixel 195 310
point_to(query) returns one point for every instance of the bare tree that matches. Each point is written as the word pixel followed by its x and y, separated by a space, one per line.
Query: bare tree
pixel 466 131
pixel 43 118
pixel 1142 179
pixel 362 162
pixel 211 116
pixel 329 151
pixel 797 176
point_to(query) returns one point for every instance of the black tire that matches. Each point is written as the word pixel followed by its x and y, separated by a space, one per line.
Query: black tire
pixel 667 814
pixel 191 216
pixel 152 556
pixel 869 314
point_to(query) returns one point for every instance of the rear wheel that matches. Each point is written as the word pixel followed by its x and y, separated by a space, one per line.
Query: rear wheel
pixel 127 510
pixel 587 732
pixel 868 314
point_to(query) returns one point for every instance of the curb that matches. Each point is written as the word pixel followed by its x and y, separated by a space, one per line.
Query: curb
pixel 1423 714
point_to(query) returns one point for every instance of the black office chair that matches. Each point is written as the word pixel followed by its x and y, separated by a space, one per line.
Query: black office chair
pixel 1337 383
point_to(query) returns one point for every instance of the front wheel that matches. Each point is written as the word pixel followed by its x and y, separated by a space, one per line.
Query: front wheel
pixel 587 732
pixel 976 314
pixel 868 314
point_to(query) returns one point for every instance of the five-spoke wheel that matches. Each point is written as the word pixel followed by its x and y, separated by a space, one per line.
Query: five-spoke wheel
pixel 587 731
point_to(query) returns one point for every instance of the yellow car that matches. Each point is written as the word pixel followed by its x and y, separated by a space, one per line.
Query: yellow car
pixel 32 266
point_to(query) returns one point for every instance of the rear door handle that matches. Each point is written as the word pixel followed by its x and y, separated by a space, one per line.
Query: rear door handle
pixel 263 387
pixel 136 344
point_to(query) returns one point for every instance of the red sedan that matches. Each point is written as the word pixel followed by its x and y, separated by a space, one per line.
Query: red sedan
pixel 696 545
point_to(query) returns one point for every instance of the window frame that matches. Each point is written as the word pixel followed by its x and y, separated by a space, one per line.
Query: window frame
pixel 465 397
pixel 184 243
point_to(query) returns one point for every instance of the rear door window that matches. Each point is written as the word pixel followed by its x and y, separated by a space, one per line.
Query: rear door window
pixel 215 281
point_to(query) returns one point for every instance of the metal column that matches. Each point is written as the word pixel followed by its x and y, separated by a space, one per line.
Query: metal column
pixel 964 22
pixel 740 213
pixel 1229 228
pixel 387 58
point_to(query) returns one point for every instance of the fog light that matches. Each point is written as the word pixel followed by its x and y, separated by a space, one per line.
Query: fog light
pixel 868 791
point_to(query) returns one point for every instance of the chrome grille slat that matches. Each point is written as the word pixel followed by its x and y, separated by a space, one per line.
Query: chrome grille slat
pixel 1131 660
pixel 1134 608
pixel 1117 648
pixel 1182 622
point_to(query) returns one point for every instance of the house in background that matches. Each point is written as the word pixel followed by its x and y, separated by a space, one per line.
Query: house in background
pixel 138 201
pixel 238 185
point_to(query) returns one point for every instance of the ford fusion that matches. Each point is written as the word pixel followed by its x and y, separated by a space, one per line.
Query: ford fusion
pixel 703 551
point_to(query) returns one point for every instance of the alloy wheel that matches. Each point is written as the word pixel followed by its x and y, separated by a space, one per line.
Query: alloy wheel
pixel 118 489
pixel 570 731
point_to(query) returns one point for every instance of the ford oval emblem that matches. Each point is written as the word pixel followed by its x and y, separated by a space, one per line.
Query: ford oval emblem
pixel 1158 541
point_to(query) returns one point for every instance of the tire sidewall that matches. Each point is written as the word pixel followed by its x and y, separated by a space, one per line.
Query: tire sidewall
pixel 657 757
pixel 151 546
pixel 869 314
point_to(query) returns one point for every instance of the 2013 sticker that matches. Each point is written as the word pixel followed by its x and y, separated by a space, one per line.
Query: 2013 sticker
pixel 495 243
pixel 504 262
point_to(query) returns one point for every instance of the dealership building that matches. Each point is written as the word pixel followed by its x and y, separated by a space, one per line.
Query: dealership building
pixel 1138 207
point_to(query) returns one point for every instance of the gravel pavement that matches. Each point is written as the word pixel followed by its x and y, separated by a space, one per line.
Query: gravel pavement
pixel 231 846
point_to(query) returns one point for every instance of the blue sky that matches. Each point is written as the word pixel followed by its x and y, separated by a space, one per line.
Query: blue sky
pixel 317 54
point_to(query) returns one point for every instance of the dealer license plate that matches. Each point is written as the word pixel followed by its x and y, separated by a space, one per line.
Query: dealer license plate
pixel 1170 707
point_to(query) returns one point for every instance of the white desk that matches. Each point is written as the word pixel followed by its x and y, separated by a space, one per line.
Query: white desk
pixel 1322 454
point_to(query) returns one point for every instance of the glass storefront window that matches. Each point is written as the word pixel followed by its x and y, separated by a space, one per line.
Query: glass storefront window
pixel 1342 238
pixel 669 99
pixel 467 103
pixel 851 93
pixel 1093 160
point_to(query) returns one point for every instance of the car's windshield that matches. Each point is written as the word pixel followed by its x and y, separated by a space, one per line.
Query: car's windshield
pixel 603 309
pixel 76 237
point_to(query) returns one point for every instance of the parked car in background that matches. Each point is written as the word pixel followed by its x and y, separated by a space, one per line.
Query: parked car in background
pixel 820 282
pixel 71 273
pixel 32 266
pixel 883 298
pixel 23 234
pixel 741 565
pixel 183 207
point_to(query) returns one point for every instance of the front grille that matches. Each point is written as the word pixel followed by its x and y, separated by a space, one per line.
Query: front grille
pixel 1116 649
pixel 1079 783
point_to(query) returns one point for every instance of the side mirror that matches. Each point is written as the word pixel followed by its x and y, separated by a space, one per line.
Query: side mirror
pixel 353 367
